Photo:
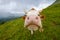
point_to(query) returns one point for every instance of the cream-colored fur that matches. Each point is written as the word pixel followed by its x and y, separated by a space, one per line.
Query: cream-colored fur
pixel 31 18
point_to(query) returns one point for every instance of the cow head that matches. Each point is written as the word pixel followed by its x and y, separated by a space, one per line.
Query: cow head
pixel 33 19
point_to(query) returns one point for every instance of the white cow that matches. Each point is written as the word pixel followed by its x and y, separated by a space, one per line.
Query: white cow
pixel 33 20
pixel 33 17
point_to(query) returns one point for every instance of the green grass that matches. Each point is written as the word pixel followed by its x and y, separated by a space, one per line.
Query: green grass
pixel 14 29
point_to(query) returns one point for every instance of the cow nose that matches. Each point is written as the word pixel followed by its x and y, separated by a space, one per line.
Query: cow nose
pixel 36 17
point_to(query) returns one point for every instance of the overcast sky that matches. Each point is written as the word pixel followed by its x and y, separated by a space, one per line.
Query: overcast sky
pixel 17 6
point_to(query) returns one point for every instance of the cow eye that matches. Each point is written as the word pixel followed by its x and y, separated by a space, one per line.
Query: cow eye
pixel 28 18
pixel 24 15
pixel 38 15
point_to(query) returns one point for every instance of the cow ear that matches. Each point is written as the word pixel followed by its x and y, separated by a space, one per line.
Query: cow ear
pixel 40 11
pixel 25 11
pixel 42 17
pixel 24 17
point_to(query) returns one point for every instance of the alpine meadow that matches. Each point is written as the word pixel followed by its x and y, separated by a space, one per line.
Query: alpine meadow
pixel 14 29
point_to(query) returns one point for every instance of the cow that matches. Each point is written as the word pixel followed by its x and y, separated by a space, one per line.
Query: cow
pixel 33 20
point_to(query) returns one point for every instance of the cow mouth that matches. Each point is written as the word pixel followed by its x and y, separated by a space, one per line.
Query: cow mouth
pixel 32 24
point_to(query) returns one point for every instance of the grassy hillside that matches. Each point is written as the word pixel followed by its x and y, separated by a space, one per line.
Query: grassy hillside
pixel 14 30
pixel 57 1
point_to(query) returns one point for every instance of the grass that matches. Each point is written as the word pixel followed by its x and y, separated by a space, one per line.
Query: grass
pixel 14 30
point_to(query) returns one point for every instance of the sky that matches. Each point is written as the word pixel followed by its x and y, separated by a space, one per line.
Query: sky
pixel 16 7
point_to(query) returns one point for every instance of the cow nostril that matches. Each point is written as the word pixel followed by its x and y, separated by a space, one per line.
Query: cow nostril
pixel 28 18
pixel 36 17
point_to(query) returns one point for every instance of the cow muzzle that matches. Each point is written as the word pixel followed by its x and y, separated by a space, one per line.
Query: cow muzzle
pixel 33 26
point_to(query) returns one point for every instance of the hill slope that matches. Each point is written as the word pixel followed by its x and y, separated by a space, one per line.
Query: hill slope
pixel 14 30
